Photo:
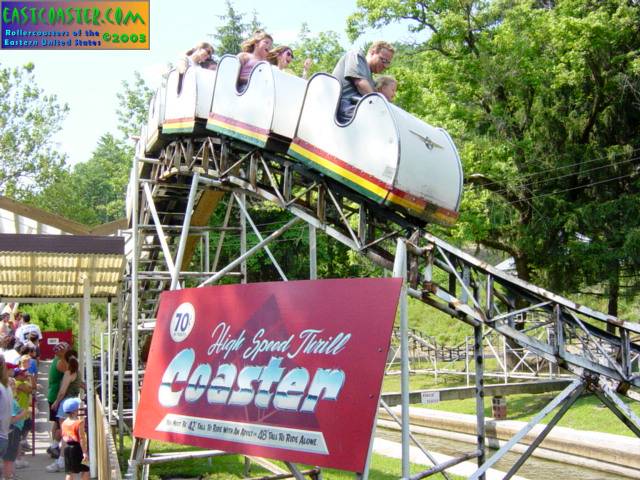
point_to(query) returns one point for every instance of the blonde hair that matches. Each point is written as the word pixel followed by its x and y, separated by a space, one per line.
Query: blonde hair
pixel 249 44
pixel 380 45
pixel 384 80
pixel 205 45
pixel 274 53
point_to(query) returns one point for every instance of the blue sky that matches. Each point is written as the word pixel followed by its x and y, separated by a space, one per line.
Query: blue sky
pixel 88 81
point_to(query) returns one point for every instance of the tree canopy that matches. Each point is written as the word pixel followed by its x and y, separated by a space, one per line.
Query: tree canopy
pixel 29 121
pixel 542 99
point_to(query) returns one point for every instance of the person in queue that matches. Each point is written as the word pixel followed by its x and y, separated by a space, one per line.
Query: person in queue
pixel 56 373
pixel 195 56
pixel 4 324
pixel 6 405
pixel 355 72
pixel 10 456
pixel 26 329
pixel 69 388
pixel 10 347
pixel 387 86
pixel 254 50
pixel 76 452
pixel 282 56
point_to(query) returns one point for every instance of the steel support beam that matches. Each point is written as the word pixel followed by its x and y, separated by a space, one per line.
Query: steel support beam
pixel 251 251
pixel 400 270
pixel 566 404
pixel 185 230
pixel 478 353
pixel 567 392
pixel 243 208
pixel 619 408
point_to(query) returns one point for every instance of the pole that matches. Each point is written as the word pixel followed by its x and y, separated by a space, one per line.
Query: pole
pixel 134 289
pixel 88 363
pixel 110 362
pixel 400 270
pixel 479 357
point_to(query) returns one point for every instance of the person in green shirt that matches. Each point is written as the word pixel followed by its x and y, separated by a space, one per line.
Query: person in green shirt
pixel 56 372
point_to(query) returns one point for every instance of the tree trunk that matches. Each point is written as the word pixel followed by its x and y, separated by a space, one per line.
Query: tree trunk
pixel 614 295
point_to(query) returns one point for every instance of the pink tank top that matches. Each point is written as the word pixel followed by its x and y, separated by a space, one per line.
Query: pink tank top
pixel 245 71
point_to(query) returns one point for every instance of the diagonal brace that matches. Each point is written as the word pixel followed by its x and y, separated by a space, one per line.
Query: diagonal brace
pixel 619 408
pixel 414 439
pixel 573 386
pixel 568 402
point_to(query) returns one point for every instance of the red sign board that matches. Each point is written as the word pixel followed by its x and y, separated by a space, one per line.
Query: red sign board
pixel 284 370
pixel 50 340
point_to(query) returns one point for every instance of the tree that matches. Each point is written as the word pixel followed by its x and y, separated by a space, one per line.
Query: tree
pixel 93 193
pixel 29 119
pixel 542 98
pixel 133 106
pixel 323 49
pixel 231 33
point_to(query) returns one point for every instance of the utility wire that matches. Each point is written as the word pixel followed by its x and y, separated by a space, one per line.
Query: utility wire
pixel 517 184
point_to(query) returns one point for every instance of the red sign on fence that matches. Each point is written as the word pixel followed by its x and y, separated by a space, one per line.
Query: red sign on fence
pixel 50 340
pixel 290 371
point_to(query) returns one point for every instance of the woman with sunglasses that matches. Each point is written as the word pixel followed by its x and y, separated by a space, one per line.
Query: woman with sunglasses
pixel 282 56
pixel 195 56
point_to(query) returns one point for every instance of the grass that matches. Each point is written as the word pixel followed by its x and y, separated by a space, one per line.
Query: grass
pixel 588 413
pixel 230 467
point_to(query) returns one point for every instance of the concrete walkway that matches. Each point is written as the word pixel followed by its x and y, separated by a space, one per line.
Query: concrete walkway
pixel 464 469
pixel 39 459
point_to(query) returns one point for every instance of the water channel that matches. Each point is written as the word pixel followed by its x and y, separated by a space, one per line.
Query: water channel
pixel 533 469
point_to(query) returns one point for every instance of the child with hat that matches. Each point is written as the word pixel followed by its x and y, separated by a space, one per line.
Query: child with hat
pixel 15 431
pixel 22 395
pixel 75 453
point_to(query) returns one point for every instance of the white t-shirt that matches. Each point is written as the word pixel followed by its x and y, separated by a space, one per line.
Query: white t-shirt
pixel 23 332
pixel 11 356
pixel 6 402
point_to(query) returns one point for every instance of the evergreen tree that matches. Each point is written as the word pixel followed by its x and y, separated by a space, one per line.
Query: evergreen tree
pixel 231 33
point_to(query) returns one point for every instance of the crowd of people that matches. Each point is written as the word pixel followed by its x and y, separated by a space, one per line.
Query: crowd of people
pixel 19 360
pixel 19 355
pixel 354 70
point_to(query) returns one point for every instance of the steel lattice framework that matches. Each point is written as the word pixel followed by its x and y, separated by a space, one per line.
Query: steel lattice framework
pixel 595 348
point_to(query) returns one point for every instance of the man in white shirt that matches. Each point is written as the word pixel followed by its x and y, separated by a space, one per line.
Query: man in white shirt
pixel 22 333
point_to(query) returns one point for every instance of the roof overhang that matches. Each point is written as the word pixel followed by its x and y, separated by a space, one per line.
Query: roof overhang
pixel 55 266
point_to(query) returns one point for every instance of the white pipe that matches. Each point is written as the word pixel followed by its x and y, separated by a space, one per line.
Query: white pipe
pixel 400 270
pixel 134 288
pixel 110 362
pixel 88 363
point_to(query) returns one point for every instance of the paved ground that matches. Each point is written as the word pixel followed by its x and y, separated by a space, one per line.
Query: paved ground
pixel 38 459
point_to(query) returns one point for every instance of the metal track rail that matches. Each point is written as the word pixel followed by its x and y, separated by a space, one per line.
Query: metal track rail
pixel 596 348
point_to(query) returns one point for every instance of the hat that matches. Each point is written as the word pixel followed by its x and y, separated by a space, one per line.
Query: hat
pixel 18 371
pixel 71 405
pixel 60 346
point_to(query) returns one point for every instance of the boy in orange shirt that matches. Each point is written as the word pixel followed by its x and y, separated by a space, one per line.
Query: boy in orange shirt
pixel 76 454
